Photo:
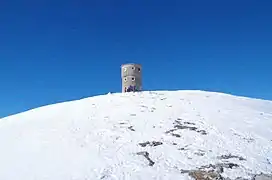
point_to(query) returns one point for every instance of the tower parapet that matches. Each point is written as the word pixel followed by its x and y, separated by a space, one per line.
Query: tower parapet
pixel 131 77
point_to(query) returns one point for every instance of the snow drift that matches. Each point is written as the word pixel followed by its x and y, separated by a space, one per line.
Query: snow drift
pixel 146 135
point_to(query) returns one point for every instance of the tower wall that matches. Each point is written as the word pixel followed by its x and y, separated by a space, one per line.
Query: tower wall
pixel 131 77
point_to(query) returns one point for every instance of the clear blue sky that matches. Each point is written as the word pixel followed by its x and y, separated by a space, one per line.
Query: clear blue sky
pixel 53 51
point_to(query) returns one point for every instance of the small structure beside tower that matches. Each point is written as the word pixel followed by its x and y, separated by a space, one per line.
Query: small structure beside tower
pixel 131 77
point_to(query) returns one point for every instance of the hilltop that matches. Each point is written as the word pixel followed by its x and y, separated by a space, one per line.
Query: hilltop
pixel 146 135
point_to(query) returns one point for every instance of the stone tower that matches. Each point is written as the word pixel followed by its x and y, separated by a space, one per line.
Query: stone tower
pixel 131 77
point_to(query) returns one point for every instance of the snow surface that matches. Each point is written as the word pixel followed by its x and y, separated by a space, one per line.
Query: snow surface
pixel 98 137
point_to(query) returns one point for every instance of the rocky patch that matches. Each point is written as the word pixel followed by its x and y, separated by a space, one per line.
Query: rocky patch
pixel 263 177
pixel 205 175
pixel 178 124
pixel 210 172
pixel 146 155
pixel 152 109
pixel 152 143
pixel 176 135
pixel 200 153
pixel 268 161
pixel 131 128
pixel 230 156
pixel 220 166
pixel 189 123
pixel 248 139
pixel 183 149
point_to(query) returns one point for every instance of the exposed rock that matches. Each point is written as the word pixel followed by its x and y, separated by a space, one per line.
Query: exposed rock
pixel 205 175
pixel 210 172
pixel 156 143
pixel 146 155
pixel 185 127
pixel 224 165
pixel 180 125
pixel 239 178
pixel 189 123
pixel 182 171
pixel 229 156
pixel 249 139
pixel 182 149
pixel 169 131
pixel 200 153
pixel 131 128
pixel 152 143
pixel 263 177
pixel 152 109
pixel 229 165
pixel 176 135
pixel 144 144
pixel 202 132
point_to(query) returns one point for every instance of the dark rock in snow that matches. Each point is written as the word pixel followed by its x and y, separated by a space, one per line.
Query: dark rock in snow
pixel 229 156
pixel 169 131
pixel 131 128
pixel 146 155
pixel 202 132
pixel 176 135
pixel 205 175
pixel 152 143
pixel 182 171
pixel 189 123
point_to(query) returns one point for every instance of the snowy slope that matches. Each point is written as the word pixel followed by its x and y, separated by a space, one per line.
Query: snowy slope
pixel 150 135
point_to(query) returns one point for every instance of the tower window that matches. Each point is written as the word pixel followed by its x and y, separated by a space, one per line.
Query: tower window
pixel 133 68
pixel 125 79
pixel 139 69
pixel 133 79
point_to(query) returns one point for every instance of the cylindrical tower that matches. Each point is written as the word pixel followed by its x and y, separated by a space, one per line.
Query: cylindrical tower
pixel 131 77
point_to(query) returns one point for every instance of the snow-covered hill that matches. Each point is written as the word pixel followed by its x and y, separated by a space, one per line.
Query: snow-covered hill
pixel 166 135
